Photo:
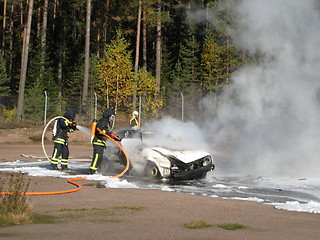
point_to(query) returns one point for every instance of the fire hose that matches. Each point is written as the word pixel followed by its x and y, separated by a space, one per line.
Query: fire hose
pixel 106 135
pixel 73 179
pixel 49 193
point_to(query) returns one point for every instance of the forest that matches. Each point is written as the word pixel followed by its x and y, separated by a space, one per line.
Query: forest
pixel 156 56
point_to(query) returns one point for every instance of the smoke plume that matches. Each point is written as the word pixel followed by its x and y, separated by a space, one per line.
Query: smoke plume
pixel 268 119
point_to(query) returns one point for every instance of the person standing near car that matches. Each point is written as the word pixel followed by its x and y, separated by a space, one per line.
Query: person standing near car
pixel 134 121
pixel 104 127
pixel 60 137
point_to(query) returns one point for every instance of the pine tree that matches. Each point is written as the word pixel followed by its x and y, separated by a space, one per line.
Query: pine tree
pixel 4 80
pixel 34 102
pixel 213 64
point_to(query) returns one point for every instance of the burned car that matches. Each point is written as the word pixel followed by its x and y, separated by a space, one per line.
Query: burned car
pixel 150 158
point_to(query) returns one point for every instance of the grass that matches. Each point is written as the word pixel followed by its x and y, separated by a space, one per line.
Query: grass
pixel 80 209
pixel 197 225
pixel 43 219
pixel 14 207
pixel 231 226
pixel 134 208
pixel 202 224
pixel 101 214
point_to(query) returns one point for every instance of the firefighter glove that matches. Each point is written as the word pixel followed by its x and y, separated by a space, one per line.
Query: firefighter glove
pixel 74 125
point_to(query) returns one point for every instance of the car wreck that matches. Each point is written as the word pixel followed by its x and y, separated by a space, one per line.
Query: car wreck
pixel 149 159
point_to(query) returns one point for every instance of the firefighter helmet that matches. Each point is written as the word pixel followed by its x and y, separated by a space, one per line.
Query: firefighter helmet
pixel 135 113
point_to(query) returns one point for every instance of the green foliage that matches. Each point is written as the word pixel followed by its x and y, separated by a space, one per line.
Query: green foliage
pixel 146 87
pixel 191 60
pixel 189 56
pixel 213 63
pixel 4 80
pixel 115 74
pixel 37 218
pixel 73 87
pixel 218 62
pixel 231 226
pixel 34 102
pixel 40 70
pixel 197 225
pixel 134 208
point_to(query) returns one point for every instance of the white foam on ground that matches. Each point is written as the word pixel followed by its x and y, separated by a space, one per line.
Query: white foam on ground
pixel 39 169
pixel 311 207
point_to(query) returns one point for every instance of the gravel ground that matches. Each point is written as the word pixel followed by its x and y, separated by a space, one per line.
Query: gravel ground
pixel 104 213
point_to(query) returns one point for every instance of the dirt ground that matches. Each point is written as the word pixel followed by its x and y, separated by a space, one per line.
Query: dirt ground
pixel 104 213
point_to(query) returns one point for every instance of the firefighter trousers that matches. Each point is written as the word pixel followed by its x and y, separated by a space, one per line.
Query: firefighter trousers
pixel 97 156
pixel 60 150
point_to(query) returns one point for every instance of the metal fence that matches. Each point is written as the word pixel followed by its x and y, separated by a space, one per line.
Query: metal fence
pixel 42 108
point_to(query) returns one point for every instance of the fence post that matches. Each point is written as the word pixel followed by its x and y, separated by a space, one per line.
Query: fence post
pixel 95 105
pixel 45 107
pixel 140 108
pixel 182 107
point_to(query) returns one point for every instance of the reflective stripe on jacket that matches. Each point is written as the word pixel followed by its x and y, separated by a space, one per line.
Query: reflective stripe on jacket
pixel 134 123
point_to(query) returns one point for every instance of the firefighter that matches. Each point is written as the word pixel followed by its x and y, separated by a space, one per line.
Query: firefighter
pixel 60 138
pixel 134 121
pixel 103 126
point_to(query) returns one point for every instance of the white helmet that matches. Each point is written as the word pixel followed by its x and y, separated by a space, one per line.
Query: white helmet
pixel 135 113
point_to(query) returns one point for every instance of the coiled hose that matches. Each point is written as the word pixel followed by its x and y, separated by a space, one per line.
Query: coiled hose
pixel 71 181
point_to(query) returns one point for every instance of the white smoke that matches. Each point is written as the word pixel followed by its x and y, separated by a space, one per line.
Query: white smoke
pixel 176 135
pixel 268 120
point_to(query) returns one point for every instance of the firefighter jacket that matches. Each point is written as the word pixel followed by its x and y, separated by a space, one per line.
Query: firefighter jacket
pixel 61 129
pixel 134 123
pixel 104 125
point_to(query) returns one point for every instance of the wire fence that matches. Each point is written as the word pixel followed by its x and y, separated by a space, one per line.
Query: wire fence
pixel 42 108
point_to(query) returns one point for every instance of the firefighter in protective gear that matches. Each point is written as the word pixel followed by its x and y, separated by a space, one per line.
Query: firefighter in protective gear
pixel 60 138
pixel 104 126
pixel 134 121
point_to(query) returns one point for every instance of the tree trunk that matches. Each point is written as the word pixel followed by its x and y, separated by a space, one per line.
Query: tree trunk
pixel 57 16
pixel 11 43
pixel 144 40
pixel 39 23
pixel 44 36
pixel 4 26
pixel 136 64
pixel 86 60
pixel 54 14
pixel 158 50
pixel 60 77
pixel 24 63
pixel 98 26
pixel 106 20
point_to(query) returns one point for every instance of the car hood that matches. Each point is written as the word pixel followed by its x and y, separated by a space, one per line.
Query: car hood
pixel 185 156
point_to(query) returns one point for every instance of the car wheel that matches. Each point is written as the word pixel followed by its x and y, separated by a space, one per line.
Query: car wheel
pixel 152 170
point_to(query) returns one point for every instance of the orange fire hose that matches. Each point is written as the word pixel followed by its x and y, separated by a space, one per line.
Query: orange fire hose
pixel 77 179
pixel 124 152
pixel 50 193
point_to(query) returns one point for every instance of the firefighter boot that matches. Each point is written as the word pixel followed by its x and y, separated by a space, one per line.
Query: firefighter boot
pixel 65 168
pixel 54 166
